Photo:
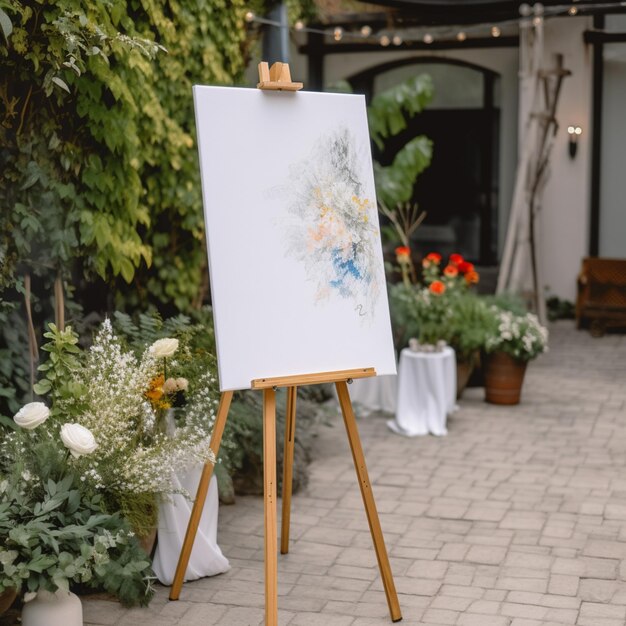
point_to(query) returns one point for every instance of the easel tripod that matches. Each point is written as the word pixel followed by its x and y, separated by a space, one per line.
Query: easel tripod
pixel 278 78
pixel 269 386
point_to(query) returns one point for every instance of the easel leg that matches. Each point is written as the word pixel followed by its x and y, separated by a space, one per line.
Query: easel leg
pixel 290 432
pixel 203 487
pixel 269 492
pixel 368 501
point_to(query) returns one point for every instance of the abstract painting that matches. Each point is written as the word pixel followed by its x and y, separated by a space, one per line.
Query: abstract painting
pixel 332 228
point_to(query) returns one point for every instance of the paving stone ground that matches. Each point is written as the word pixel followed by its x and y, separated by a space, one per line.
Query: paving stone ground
pixel 516 518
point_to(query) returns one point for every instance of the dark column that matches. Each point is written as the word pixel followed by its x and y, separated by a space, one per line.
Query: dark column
pixel 596 140
pixel 315 45
pixel 276 38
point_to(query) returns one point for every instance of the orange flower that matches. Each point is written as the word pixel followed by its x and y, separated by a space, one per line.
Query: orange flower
pixel 433 257
pixel 155 389
pixel 451 271
pixel 437 287
pixel 471 277
pixel 456 259
pixel 403 254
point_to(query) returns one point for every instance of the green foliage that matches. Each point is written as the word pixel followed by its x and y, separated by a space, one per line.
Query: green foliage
pixel 395 182
pixel 62 366
pixel 55 534
pixel 14 368
pixel 468 325
pixel 387 111
pixel 560 309
pixel 387 116
pixel 508 302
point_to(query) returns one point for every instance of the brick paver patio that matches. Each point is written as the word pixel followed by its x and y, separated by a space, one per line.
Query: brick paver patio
pixel 516 518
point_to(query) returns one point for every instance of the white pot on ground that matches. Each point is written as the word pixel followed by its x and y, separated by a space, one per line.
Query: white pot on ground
pixel 61 608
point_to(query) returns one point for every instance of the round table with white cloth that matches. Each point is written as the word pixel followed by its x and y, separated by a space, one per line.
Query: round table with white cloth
pixel 374 394
pixel 426 392
pixel 206 557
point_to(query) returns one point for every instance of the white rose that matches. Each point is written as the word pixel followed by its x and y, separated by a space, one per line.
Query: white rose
pixel 162 348
pixel 78 439
pixel 31 415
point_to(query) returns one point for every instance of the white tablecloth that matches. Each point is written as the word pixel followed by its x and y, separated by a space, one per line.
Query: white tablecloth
pixel 206 557
pixel 374 394
pixel 426 392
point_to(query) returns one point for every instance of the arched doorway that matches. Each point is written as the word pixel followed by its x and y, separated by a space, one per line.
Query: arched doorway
pixel 459 191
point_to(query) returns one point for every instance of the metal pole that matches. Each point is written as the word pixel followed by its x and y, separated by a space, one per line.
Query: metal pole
pixel 276 38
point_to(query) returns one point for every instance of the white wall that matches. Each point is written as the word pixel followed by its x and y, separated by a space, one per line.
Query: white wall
pixel 563 223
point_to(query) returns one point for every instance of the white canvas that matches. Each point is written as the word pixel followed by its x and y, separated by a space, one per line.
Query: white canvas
pixel 296 266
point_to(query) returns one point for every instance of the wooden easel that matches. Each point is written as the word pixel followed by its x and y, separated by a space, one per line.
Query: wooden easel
pixel 278 78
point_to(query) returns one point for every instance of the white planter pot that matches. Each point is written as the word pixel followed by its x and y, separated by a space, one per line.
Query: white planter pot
pixel 53 609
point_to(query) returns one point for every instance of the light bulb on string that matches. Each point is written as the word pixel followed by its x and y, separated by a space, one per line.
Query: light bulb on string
pixel 495 31
pixel 428 38
pixel 249 17
pixel 537 21
pixel 397 40
pixel 573 10
pixel 385 41
pixel 299 25
pixel 338 33
pixel 366 30
pixel 461 36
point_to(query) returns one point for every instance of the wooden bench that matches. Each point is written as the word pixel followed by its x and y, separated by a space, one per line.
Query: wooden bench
pixel 601 301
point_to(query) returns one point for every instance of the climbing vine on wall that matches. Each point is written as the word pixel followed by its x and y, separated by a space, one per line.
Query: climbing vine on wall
pixel 99 183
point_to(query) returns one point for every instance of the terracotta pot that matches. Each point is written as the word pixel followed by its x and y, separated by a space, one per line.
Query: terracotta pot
pixel 53 609
pixel 464 369
pixel 7 597
pixel 504 377
pixel 147 542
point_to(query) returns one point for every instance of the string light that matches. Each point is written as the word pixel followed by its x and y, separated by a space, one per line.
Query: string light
pixel 535 14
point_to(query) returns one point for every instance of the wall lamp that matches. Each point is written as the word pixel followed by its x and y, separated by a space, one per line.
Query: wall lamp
pixel 574 132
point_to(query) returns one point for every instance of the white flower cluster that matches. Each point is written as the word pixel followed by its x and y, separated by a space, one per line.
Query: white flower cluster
pixel 131 455
pixel 521 336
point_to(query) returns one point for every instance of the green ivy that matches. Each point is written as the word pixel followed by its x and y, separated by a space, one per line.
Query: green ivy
pixel 99 180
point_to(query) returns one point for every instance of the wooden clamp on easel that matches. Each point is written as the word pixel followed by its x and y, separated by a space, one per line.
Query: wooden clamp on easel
pixel 278 78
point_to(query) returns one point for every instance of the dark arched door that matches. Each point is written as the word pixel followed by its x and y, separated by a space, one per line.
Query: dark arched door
pixel 459 191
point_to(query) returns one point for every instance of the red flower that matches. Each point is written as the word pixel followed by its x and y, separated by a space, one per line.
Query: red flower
pixel 472 277
pixel 451 271
pixel 456 259
pixel 433 257
pixel 465 267
pixel 437 287
pixel 403 251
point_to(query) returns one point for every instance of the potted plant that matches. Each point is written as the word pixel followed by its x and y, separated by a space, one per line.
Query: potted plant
pixel 512 340
pixel 441 310
pixel 126 400
pixel 467 324
pixel 55 532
